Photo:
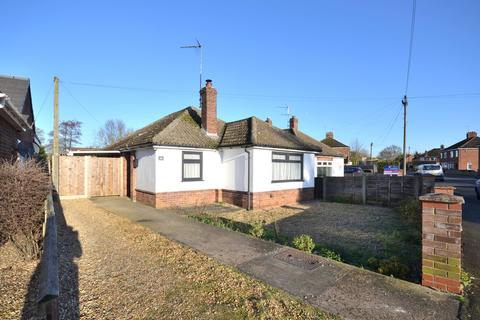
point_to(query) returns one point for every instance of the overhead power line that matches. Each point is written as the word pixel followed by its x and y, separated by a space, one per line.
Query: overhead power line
pixel 410 49
pixel 45 100
pixel 78 102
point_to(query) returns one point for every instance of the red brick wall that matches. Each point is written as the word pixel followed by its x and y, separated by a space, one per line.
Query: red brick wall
pixel 237 198
pixel 467 155
pixel 269 199
pixel 145 197
pixel 8 140
pixel 259 200
pixel 209 108
pixel 442 242
pixel 345 151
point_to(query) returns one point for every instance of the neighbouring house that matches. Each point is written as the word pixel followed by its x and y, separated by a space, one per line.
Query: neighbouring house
pixel 432 155
pixel 17 123
pixel 190 157
pixel 336 145
pixel 463 155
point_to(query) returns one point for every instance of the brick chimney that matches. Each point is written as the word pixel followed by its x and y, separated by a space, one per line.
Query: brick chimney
pixel 294 123
pixel 471 134
pixel 329 135
pixel 442 146
pixel 208 95
pixel 269 121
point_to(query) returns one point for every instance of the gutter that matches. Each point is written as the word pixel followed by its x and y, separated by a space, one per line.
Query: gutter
pixel 248 180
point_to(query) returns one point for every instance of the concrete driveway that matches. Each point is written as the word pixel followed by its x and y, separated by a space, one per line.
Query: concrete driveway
pixel 471 238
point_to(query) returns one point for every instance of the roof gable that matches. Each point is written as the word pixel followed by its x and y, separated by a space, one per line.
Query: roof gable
pixel 331 142
pixel 473 142
pixel 18 90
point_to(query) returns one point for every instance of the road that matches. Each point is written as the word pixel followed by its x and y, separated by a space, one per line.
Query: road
pixel 471 238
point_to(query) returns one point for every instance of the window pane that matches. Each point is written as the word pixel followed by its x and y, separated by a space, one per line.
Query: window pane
pixel 191 156
pixel 191 170
pixel 283 171
pixel 277 156
pixel 294 158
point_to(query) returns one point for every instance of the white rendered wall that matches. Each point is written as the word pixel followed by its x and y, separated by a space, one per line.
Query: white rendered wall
pixel 146 170
pixel 338 165
pixel 168 174
pixel 262 172
pixel 234 173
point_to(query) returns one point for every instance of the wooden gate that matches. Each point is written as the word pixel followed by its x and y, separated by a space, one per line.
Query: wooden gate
pixel 90 176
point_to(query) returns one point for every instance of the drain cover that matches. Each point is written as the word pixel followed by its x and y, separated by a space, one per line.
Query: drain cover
pixel 298 259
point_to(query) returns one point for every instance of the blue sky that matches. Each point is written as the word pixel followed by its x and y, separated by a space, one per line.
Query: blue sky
pixel 339 65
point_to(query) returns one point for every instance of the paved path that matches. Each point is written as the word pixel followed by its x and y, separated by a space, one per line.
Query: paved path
pixel 334 287
pixel 471 237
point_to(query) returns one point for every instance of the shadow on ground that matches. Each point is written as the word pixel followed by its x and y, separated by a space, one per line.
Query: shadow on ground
pixel 69 248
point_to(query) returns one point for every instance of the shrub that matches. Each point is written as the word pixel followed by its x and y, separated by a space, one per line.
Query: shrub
pixel 465 279
pixel 410 211
pixel 257 229
pixel 304 243
pixel 392 266
pixel 330 254
pixel 24 188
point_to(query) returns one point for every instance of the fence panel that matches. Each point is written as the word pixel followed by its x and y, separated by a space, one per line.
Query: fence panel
pixel 86 176
pixel 371 189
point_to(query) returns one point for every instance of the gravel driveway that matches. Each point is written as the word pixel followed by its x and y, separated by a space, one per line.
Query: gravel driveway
pixel 114 269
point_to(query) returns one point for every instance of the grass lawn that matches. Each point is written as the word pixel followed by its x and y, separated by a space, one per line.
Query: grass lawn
pixel 373 237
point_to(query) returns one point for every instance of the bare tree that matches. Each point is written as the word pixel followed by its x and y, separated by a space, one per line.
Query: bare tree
pixel 357 152
pixel 69 135
pixel 111 132
pixel 390 153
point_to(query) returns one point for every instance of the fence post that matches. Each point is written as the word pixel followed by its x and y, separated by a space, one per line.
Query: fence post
pixel 364 189
pixel 324 188
pixel 442 240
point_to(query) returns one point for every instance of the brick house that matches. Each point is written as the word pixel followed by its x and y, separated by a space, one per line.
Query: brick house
pixel 190 157
pixel 17 127
pixel 337 146
pixel 463 155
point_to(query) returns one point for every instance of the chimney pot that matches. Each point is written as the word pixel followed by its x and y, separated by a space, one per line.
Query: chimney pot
pixel 208 96
pixel 442 146
pixel 471 134
pixel 269 121
pixel 294 123
pixel 329 135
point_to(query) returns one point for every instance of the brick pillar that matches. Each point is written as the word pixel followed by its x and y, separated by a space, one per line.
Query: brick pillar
pixel 442 241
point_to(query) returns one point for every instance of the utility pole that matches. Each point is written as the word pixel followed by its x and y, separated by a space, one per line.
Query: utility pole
pixel 405 104
pixel 55 157
pixel 371 147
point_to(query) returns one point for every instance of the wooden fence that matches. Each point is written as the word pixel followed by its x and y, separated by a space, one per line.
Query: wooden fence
pixel 90 176
pixel 48 280
pixel 372 189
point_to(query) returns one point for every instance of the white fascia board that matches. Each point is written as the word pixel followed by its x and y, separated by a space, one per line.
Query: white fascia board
pixel 14 116
pixel 285 150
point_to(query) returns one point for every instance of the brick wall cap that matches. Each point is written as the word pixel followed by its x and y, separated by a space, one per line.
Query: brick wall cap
pixel 444 186
pixel 442 197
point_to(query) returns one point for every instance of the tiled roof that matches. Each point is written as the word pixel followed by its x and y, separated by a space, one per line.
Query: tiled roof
pixel 333 143
pixel 183 129
pixel 473 142
pixel 17 90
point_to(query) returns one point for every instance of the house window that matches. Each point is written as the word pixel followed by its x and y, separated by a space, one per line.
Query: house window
pixel 456 153
pixel 287 167
pixel 451 154
pixel 324 168
pixel 192 166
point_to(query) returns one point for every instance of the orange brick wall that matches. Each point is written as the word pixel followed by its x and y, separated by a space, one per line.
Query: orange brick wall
pixel 465 156
pixel 259 200
pixel 269 199
pixel 441 245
